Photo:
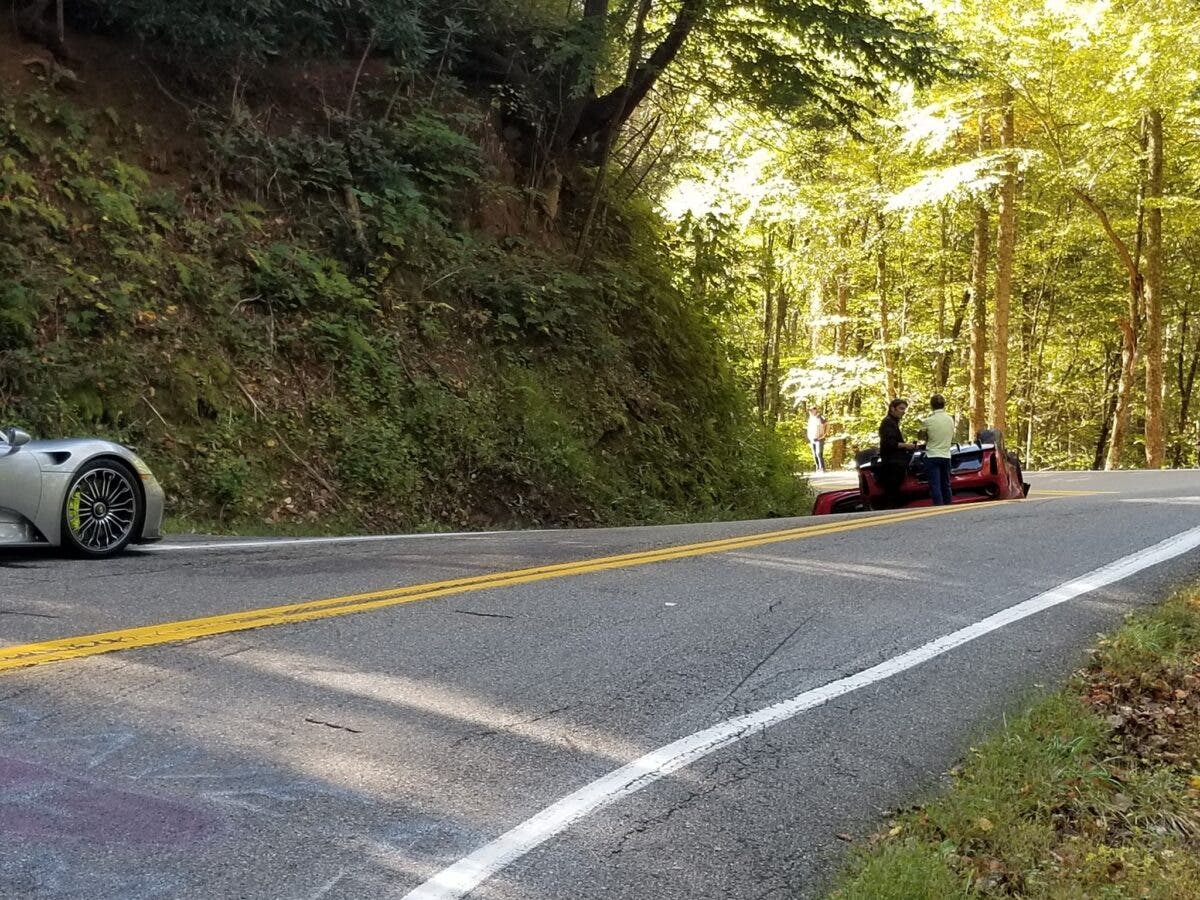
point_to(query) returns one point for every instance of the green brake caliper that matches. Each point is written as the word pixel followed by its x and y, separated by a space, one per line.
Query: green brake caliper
pixel 74 519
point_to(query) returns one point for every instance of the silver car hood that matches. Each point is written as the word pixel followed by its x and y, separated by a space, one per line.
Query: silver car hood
pixel 73 445
pixel 59 460
pixel 69 453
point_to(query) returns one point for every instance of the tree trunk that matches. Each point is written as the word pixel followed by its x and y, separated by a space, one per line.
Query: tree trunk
pixel 816 312
pixel 1127 324
pixel 979 257
pixel 1153 347
pixel 1108 416
pixel 960 316
pixel 612 109
pixel 32 23
pixel 939 367
pixel 1036 336
pixel 768 321
pixel 882 286
pixel 842 332
pixel 1185 373
pixel 588 37
pixel 979 266
pixel 1006 237
pixel 1121 410
pixel 781 313
pixel 609 135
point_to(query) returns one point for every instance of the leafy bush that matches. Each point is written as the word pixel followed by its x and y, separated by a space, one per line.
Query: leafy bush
pixel 270 369
pixel 377 459
pixel 298 279
pixel 213 35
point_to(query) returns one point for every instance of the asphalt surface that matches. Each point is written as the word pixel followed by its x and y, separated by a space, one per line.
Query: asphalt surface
pixel 358 755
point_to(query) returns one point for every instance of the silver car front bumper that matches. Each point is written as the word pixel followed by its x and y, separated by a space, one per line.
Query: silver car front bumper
pixel 156 502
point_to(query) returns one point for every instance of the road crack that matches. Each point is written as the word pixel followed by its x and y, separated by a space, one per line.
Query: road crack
pixel 313 721
pixel 762 662
pixel 720 775
pixel 504 729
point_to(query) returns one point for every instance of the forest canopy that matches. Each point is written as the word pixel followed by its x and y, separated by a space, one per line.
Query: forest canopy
pixel 863 199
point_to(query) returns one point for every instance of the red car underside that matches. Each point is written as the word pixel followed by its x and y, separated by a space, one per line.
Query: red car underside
pixel 980 471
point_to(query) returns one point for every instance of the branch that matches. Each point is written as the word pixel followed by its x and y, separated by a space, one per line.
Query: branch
pixel 595 9
pixel 32 24
pixel 358 73
pixel 618 104
pixel 1122 250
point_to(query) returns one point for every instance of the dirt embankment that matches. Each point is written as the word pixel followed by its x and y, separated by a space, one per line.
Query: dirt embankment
pixel 170 120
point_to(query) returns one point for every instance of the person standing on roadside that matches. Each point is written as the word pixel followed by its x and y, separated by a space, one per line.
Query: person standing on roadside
pixel 817 429
pixel 938 429
pixel 894 452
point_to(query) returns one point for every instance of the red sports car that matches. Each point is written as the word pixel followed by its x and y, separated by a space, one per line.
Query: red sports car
pixel 983 470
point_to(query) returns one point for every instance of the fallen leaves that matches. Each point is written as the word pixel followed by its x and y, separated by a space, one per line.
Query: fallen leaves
pixel 1155 717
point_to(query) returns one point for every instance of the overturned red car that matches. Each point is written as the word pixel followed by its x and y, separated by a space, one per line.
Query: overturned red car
pixel 980 471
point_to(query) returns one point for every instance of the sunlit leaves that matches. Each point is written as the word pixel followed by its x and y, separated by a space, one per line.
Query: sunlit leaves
pixel 957 183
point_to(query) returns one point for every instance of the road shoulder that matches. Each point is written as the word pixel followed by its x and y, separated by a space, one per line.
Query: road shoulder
pixel 1091 791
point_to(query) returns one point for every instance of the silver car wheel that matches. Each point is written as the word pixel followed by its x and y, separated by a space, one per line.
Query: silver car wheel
pixel 101 509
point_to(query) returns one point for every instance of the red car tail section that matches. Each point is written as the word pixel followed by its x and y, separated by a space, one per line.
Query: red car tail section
pixel 979 471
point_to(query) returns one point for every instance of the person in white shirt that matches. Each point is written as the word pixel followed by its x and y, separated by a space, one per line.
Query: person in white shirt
pixel 938 431
pixel 817 429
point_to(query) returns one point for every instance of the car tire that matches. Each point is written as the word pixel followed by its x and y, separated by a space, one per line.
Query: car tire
pixel 1016 462
pixel 102 510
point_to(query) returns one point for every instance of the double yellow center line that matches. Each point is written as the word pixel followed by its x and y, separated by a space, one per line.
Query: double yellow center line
pixel 22 655
pixel 1062 492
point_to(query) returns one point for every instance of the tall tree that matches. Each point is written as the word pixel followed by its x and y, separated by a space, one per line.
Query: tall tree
pixel 883 290
pixel 1128 324
pixel 582 79
pixel 979 267
pixel 769 285
pixel 1006 239
pixel 1187 361
pixel 842 279
pixel 1154 290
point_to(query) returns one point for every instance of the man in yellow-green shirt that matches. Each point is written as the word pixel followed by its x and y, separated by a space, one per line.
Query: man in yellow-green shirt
pixel 938 430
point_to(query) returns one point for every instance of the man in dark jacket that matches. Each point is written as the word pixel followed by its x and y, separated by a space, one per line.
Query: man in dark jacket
pixel 894 452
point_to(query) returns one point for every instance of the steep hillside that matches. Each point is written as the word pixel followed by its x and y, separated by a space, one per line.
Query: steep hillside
pixel 361 324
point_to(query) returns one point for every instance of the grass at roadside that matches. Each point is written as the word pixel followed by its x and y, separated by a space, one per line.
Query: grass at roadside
pixel 333 527
pixel 1093 792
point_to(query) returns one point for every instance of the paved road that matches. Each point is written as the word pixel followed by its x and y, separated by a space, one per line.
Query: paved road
pixel 359 754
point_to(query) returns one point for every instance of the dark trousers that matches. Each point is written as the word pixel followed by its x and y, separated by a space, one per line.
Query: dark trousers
pixel 938 470
pixel 890 475
pixel 818 452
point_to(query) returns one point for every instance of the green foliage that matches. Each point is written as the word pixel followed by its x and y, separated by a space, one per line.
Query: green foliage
pixel 905 871
pixel 378 460
pixel 1147 643
pixel 226 481
pixel 867 236
pixel 273 369
pixel 826 59
pixel 1065 800
pixel 298 279
pixel 214 35
pixel 18 314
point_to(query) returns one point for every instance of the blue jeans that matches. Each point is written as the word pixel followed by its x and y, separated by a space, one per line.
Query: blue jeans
pixel 938 470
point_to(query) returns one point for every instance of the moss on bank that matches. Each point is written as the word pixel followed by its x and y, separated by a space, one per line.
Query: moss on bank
pixel 282 357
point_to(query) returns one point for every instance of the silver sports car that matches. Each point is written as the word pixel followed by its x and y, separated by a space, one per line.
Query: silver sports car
pixel 90 496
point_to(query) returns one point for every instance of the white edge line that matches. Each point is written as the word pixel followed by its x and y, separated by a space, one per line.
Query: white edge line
pixel 462 877
pixel 268 543
pixel 286 542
